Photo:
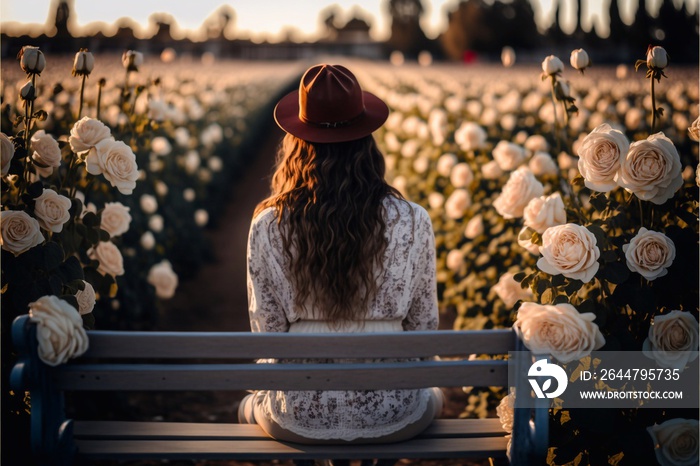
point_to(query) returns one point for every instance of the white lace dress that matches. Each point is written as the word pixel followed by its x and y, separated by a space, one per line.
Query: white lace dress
pixel 406 300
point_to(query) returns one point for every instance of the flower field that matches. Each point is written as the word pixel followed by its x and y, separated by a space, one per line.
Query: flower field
pixel 564 204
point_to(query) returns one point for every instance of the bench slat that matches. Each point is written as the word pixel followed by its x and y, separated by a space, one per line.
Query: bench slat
pixel 130 430
pixel 246 345
pixel 175 377
pixel 265 449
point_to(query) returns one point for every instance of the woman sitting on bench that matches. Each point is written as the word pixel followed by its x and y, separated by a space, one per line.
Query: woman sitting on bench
pixel 336 249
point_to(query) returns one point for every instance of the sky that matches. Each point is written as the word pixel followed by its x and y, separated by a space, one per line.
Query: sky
pixel 269 19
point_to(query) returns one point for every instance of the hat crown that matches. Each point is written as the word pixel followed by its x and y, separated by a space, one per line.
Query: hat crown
pixel 329 95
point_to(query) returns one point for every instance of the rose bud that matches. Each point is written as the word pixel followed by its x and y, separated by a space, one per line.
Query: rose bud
pixel 657 58
pixel 579 59
pixel 552 65
pixel 28 92
pixel 132 60
pixel 31 59
pixel 84 63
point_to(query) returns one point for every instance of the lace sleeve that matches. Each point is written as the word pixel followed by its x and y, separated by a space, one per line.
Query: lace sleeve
pixel 265 279
pixel 423 310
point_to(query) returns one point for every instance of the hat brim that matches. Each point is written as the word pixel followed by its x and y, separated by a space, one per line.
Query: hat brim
pixel 287 117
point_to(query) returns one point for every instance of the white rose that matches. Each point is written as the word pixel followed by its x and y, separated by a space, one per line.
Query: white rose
pixel 86 133
pixel 148 203
pixel 156 223
pixel 543 164
pixel 131 60
pixel 189 195
pixel 51 210
pixel 470 136
pixel 634 118
pixel 521 188
pixel 600 154
pixel 161 146
pixel 165 281
pixel 83 63
pixel 454 260
pixel 148 241
pixel 116 161
pixel 46 152
pixel 32 60
pixel 570 250
pixel 652 169
pixel 60 330
pixel 436 200
pixel 86 299
pixel 506 412
pixel 20 231
pixel 201 217
pixel 579 59
pixel 649 253
pixel 693 130
pixel 544 212
pixel 675 442
pixel 115 219
pixel 458 202
pixel 491 170
pixel 536 143
pixel 474 228
pixel 7 150
pixel 657 58
pixel 559 330
pixel 109 257
pixel 673 340
pixel 509 156
pixel 461 175
pixel 552 65
pixel 510 291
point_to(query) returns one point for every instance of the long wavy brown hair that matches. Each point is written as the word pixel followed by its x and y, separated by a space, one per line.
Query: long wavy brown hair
pixel 328 204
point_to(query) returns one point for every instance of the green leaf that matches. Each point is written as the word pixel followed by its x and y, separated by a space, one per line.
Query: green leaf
pixel 614 272
pixel 91 220
pixel 573 286
pixel 558 280
pixel 600 235
pixel 53 255
pixel 89 321
pixel 609 256
pixel 561 299
pixel 598 201
pixel 543 285
pixel 518 277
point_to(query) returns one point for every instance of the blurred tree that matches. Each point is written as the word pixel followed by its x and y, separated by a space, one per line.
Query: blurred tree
pixel 476 26
pixel 407 35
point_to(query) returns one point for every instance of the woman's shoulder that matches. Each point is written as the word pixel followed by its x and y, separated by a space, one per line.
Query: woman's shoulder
pixel 263 219
pixel 405 208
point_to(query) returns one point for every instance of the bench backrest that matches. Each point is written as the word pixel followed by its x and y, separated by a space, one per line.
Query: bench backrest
pixel 225 361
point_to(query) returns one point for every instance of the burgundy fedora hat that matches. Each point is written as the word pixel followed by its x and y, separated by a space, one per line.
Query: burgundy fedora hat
pixel 330 106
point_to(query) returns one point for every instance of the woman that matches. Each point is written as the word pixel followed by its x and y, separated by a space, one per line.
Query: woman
pixel 335 248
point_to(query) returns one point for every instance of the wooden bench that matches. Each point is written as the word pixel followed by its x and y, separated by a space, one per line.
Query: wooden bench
pixel 134 361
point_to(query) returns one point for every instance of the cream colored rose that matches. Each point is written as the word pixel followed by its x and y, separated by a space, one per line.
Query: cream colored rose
pixel 59 330
pixel 657 57
pixel 673 340
pixel 536 143
pixel 552 65
pixel 436 200
pixel 86 133
pixel 109 257
pixel 461 175
pixel 649 253
pixel 491 170
pixel 652 169
pixel 510 291
pixel 506 412
pixel 201 217
pixel 544 212
pixel 559 330
pixel 7 150
pixel 86 299
pixel 475 227
pixel 457 203
pixel 570 250
pixel 542 163
pixel 694 130
pixel 508 156
pixel 675 442
pixel 116 162
pixel 47 154
pixel 20 231
pixel 148 241
pixel 600 154
pixel 51 210
pixel 164 279
pixel 115 218
pixel 470 136
pixel 521 188
pixel 454 260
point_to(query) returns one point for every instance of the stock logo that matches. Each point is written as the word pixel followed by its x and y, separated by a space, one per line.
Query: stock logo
pixel 541 368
